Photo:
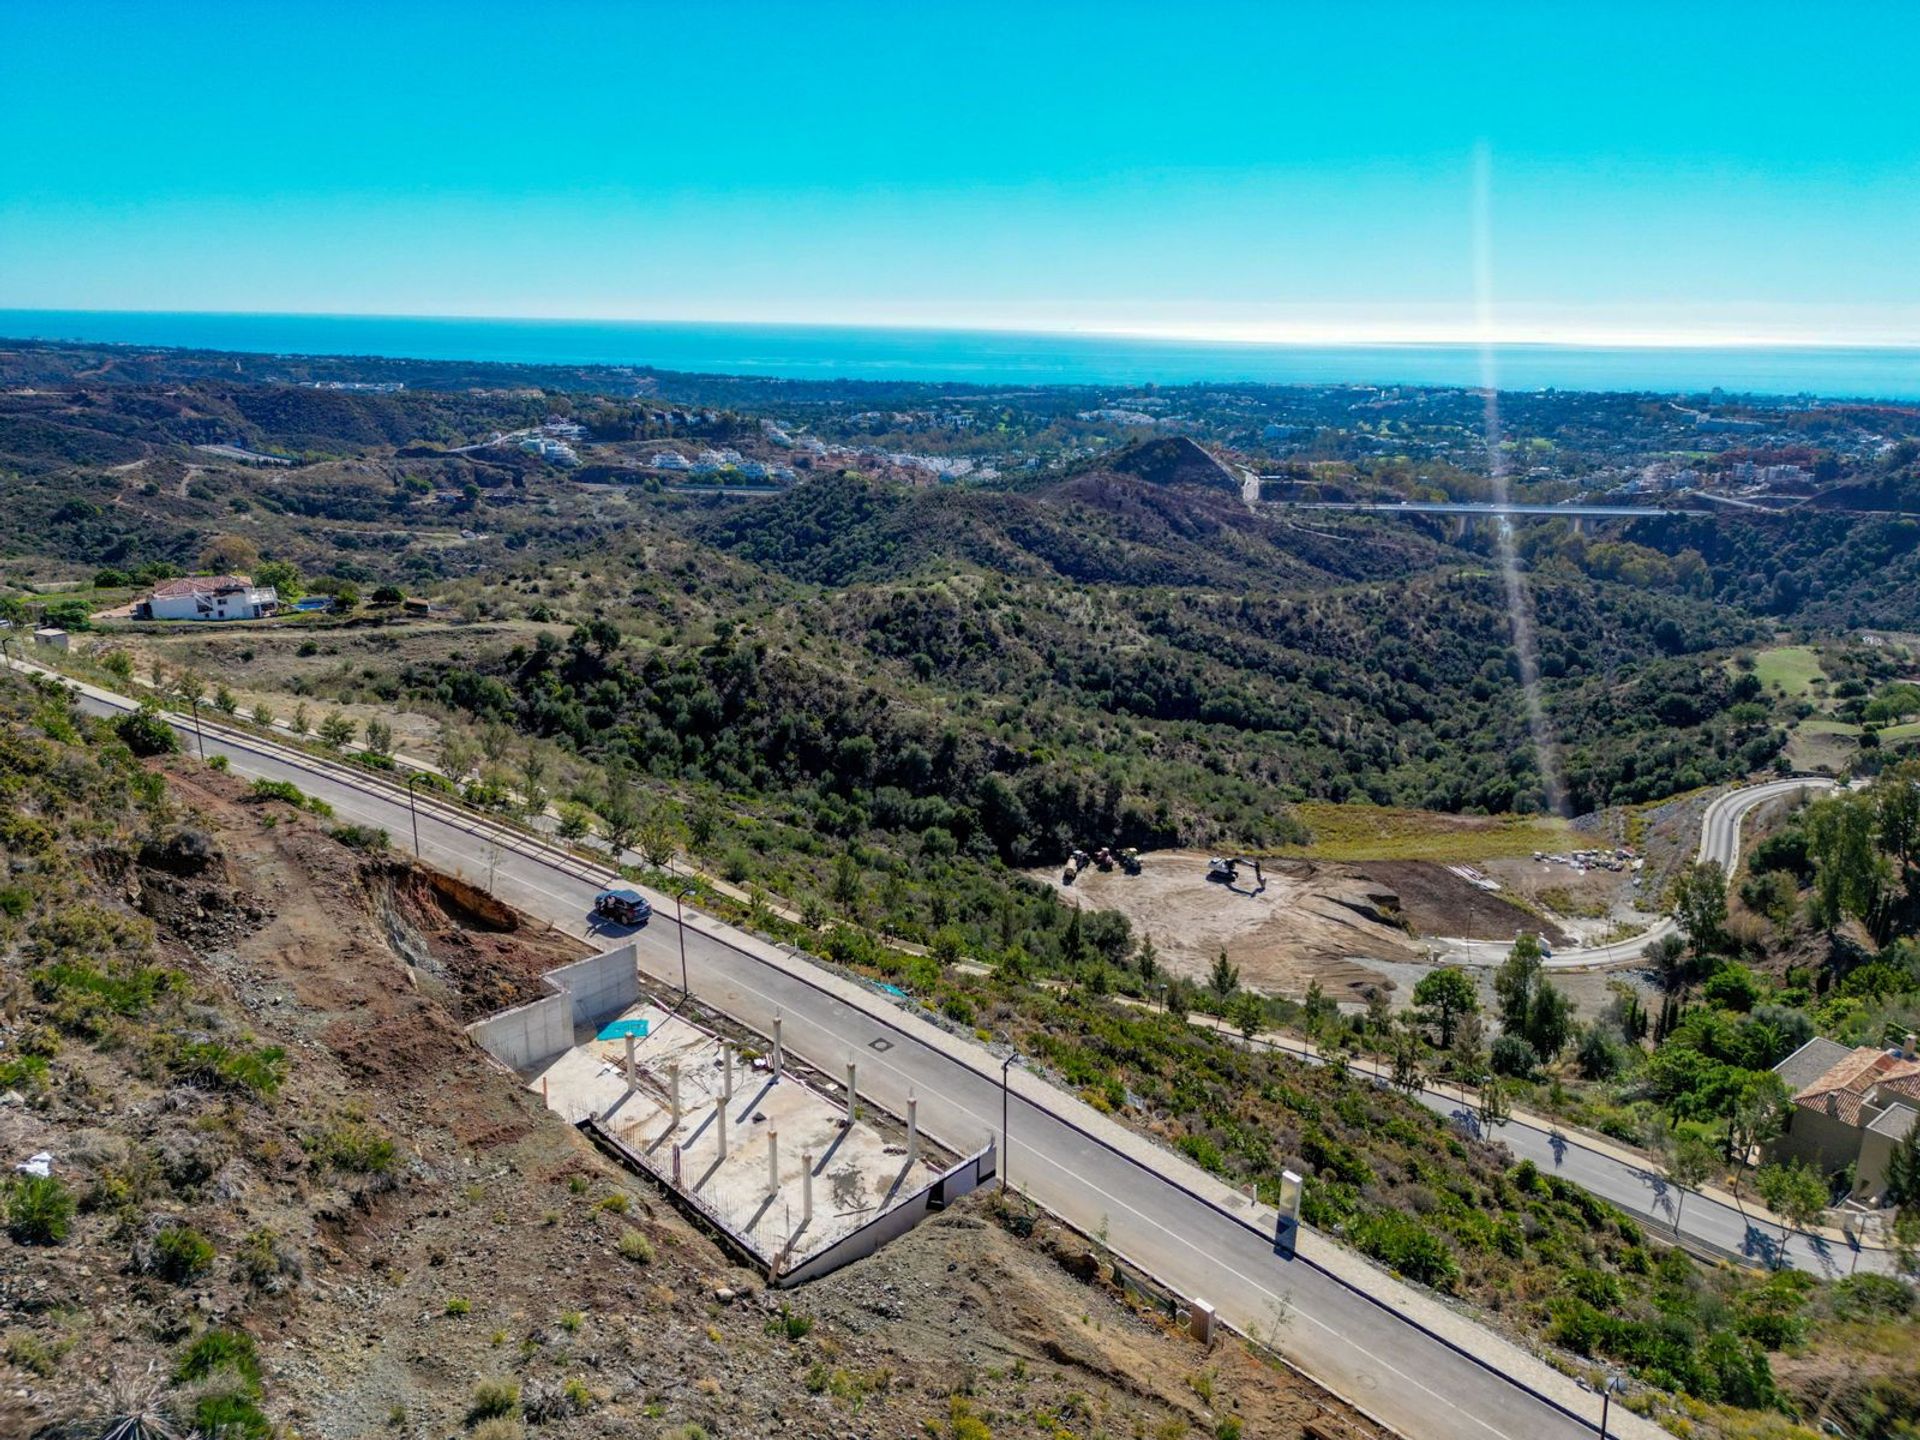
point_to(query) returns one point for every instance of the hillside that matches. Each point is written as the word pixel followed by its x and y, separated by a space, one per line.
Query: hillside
pixel 287 1191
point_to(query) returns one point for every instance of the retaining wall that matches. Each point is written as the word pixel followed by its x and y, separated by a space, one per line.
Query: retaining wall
pixel 968 1175
pixel 586 992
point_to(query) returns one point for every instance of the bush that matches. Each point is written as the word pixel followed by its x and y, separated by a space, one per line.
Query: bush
pixel 351 1145
pixel 219 1350
pixel 369 838
pixel 180 1254
pixel 1407 1247
pixel 635 1247
pixel 1511 1055
pixel 145 733
pixel 39 1210
pixel 494 1399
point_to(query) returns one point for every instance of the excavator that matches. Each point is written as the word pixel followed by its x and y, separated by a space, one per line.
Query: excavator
pixel 1226 871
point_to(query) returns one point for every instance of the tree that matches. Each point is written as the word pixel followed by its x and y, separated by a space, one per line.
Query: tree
pixel 533 780
pixel 455 754
pixel 1754 1115
pixel 1224 978
pixel 846 884
pixel 336 731
pixel 1514 982
pixel 1468 1057
pixel 1408 1053
pixel 300 722
pixel 225 701
pixel 190 686
pixel 119 664
pixel 1073 945
pixel 657 836
pixel 1698 899
pixel 1795 1192
pixel 1850 875
pixel 283 576
pixel 1903 1171
pixel 230 554
pixel 620 815
pixel 1247 1013
pixel 574 822
pixel 1495 1107
pixel 496 741
pixel 1897 796
pixel 1686 1162
pixel 1550 1023
pixel 1146 961
pixel 263 715
pixel 379 738
pixel 703 822
pixel 1443 997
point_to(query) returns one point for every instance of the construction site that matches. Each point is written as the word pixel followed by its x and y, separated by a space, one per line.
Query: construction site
pixel 788 1167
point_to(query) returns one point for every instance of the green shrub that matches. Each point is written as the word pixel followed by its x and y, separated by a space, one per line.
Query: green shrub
pixel 493 1399
pixel 250 1069
pixel 220 1350
pixel 144 733
pixel 181 1253
pixel 459 1305
pixel 39 1210
pixel 351 1145
pixel 231 1417
pixel 370 838
pixel 635 1247
pixel 1407 1247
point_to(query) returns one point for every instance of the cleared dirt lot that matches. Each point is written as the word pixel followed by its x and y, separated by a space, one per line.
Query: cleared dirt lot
pixel 1349 926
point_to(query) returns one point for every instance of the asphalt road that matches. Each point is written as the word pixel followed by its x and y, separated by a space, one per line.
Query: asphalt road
pixel 1156 1211
pixel 1719 840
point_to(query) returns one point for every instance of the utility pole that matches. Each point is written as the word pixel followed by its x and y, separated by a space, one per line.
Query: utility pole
pixel 413 778
pixel 680 923
pixel 199 734
pixel 1005 1146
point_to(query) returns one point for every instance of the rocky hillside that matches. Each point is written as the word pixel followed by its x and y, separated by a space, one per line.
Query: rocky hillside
pixel 286 1195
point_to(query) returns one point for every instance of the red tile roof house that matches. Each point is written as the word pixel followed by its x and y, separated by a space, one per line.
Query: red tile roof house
pixel 1850 1107
pixel 211 597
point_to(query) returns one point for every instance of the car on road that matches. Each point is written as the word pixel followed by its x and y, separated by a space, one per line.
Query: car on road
pixel 623 907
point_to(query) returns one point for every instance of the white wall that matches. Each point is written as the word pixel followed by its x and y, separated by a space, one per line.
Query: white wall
pixel 587 992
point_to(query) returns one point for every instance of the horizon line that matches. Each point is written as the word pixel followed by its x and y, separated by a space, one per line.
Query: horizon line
pixel 1234 337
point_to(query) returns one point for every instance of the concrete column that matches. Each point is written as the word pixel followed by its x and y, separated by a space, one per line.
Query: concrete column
pixel 673 1084
pixel 633 1082
pixel 720 1123
pixel 1200 1322
pixel 726 1052
pixel 806 1186
pixel 773 1162
pixel 913 1128
pixel 779 1054
pixel 676 1165
pixel 853 1091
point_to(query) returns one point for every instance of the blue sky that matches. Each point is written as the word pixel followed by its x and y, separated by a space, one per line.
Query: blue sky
pixel 1278 170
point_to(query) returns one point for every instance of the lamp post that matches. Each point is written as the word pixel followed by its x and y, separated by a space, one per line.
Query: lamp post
pixel 1006 1149
pixel 198 733
pixel 413 779
pixel 680 922
pixel 1614 1382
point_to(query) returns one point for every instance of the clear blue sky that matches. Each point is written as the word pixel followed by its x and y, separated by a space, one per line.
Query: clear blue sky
pixel 1666 170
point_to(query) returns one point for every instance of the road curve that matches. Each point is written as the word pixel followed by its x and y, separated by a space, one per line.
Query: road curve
pixel 1720 831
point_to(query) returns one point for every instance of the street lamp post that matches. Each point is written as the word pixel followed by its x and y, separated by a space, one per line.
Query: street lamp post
pixel 198 733
pixel 1606 1402
pixel 680 919
pixel 413 778
pixel 1006 1149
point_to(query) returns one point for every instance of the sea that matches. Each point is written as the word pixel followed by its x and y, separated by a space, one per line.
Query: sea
pixel 999 358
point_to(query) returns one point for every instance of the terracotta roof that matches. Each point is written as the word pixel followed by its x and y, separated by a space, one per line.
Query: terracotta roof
pixel 1847 1083
pixel 199 585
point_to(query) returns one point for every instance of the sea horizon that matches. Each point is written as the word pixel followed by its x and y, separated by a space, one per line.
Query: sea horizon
pixel 935 355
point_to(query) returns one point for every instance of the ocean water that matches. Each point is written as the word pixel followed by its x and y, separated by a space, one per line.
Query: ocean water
pixel 995 358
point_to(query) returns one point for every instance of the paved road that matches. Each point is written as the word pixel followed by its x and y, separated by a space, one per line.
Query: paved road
pixel 1394 1352
pixel 1700 1221
pixel 1483 507
pixel 1719 840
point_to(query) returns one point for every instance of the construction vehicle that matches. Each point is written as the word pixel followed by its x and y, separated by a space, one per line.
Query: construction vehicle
pixel 1226 870
pixel 1103 859
pixel 1130 861
pixel 1076 862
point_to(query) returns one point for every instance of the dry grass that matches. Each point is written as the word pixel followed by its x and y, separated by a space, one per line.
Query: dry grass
pixel 1371 832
